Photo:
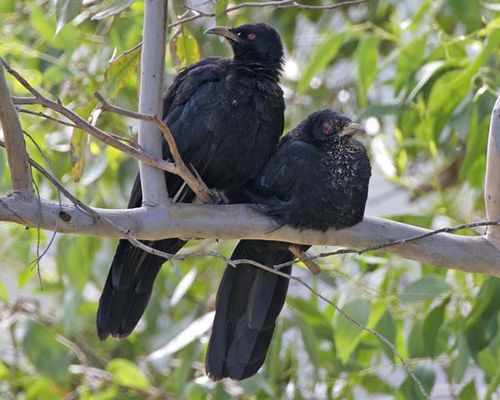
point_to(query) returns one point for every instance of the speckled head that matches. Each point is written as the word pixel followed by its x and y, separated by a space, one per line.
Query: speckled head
pixel 328 125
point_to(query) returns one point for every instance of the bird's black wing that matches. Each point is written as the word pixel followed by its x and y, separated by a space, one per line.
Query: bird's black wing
pixel 273 191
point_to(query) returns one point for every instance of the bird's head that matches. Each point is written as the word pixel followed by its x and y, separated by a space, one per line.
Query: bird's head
pixel 254 43
pixel 330 126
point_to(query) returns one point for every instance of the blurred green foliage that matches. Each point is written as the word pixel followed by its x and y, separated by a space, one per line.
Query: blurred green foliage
pixel 422 75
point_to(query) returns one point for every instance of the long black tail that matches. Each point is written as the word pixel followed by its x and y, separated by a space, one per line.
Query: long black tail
pixel 249 301
pixel 132 274
pixel 129 285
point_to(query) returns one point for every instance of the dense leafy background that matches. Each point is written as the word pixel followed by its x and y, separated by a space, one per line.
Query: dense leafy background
pixel 422 76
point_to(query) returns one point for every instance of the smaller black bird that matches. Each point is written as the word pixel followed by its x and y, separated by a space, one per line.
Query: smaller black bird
pixel 317 179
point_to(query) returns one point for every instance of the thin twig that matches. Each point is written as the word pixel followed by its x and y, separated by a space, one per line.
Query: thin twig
pixel 54 233
pixel 34 101
pixel 278 4
pixel 46 116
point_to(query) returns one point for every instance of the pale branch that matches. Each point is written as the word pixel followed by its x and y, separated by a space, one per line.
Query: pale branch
pixel 238 221
pixel 492 177
pixel 134 151
pixel 154 31
pixel 450 229
pixel 17 155
pixel 278 4
pixel 194 182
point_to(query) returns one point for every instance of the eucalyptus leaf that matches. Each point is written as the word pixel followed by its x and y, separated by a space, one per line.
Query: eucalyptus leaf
pixel 66 11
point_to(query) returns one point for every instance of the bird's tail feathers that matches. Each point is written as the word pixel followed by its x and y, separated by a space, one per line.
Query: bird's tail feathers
pixel 249 301
pixel 129 285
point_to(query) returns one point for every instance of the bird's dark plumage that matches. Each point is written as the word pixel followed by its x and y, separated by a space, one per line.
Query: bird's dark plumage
pixel 317 179
pixel 226 116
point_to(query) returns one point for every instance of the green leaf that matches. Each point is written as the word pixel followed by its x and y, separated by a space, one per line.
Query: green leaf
pixel 78 147
pixel 194 331
pixel 307 311
pixel 220 12
pixel 66 10
pixel 4 293
pixel 311 342
pixel 427 287
pixel 387 328
pixel 469 391
pixel 127 374
pixel 416 348
pixel 347 334
pixel 487 362
pixel 461 362
pixel 430 328
pixel 450 89
pixel 322 55
pixel 121 69
pixel 367 60
pixel 468 12
pixel 116 8
pixel 480 325
pixel 7 6
pixel 49 357
pixel 373 384
pixel 408 61
pixel 426 376
pixel 43 388
pixel 187 50
pixel 41 23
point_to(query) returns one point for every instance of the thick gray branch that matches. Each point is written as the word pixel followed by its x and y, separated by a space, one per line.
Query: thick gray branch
pixel 154 190
pixel 17 156
pixel 492 178
pixel 470 254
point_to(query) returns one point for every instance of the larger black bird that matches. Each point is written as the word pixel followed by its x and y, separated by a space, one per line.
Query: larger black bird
pixel 226 116
pixel 317 179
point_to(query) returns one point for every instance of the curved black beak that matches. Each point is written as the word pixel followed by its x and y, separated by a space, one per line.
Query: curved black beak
pixel 222 31
pixel 352 128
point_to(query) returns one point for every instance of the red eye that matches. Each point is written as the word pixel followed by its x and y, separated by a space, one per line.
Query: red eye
pixel 251 36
